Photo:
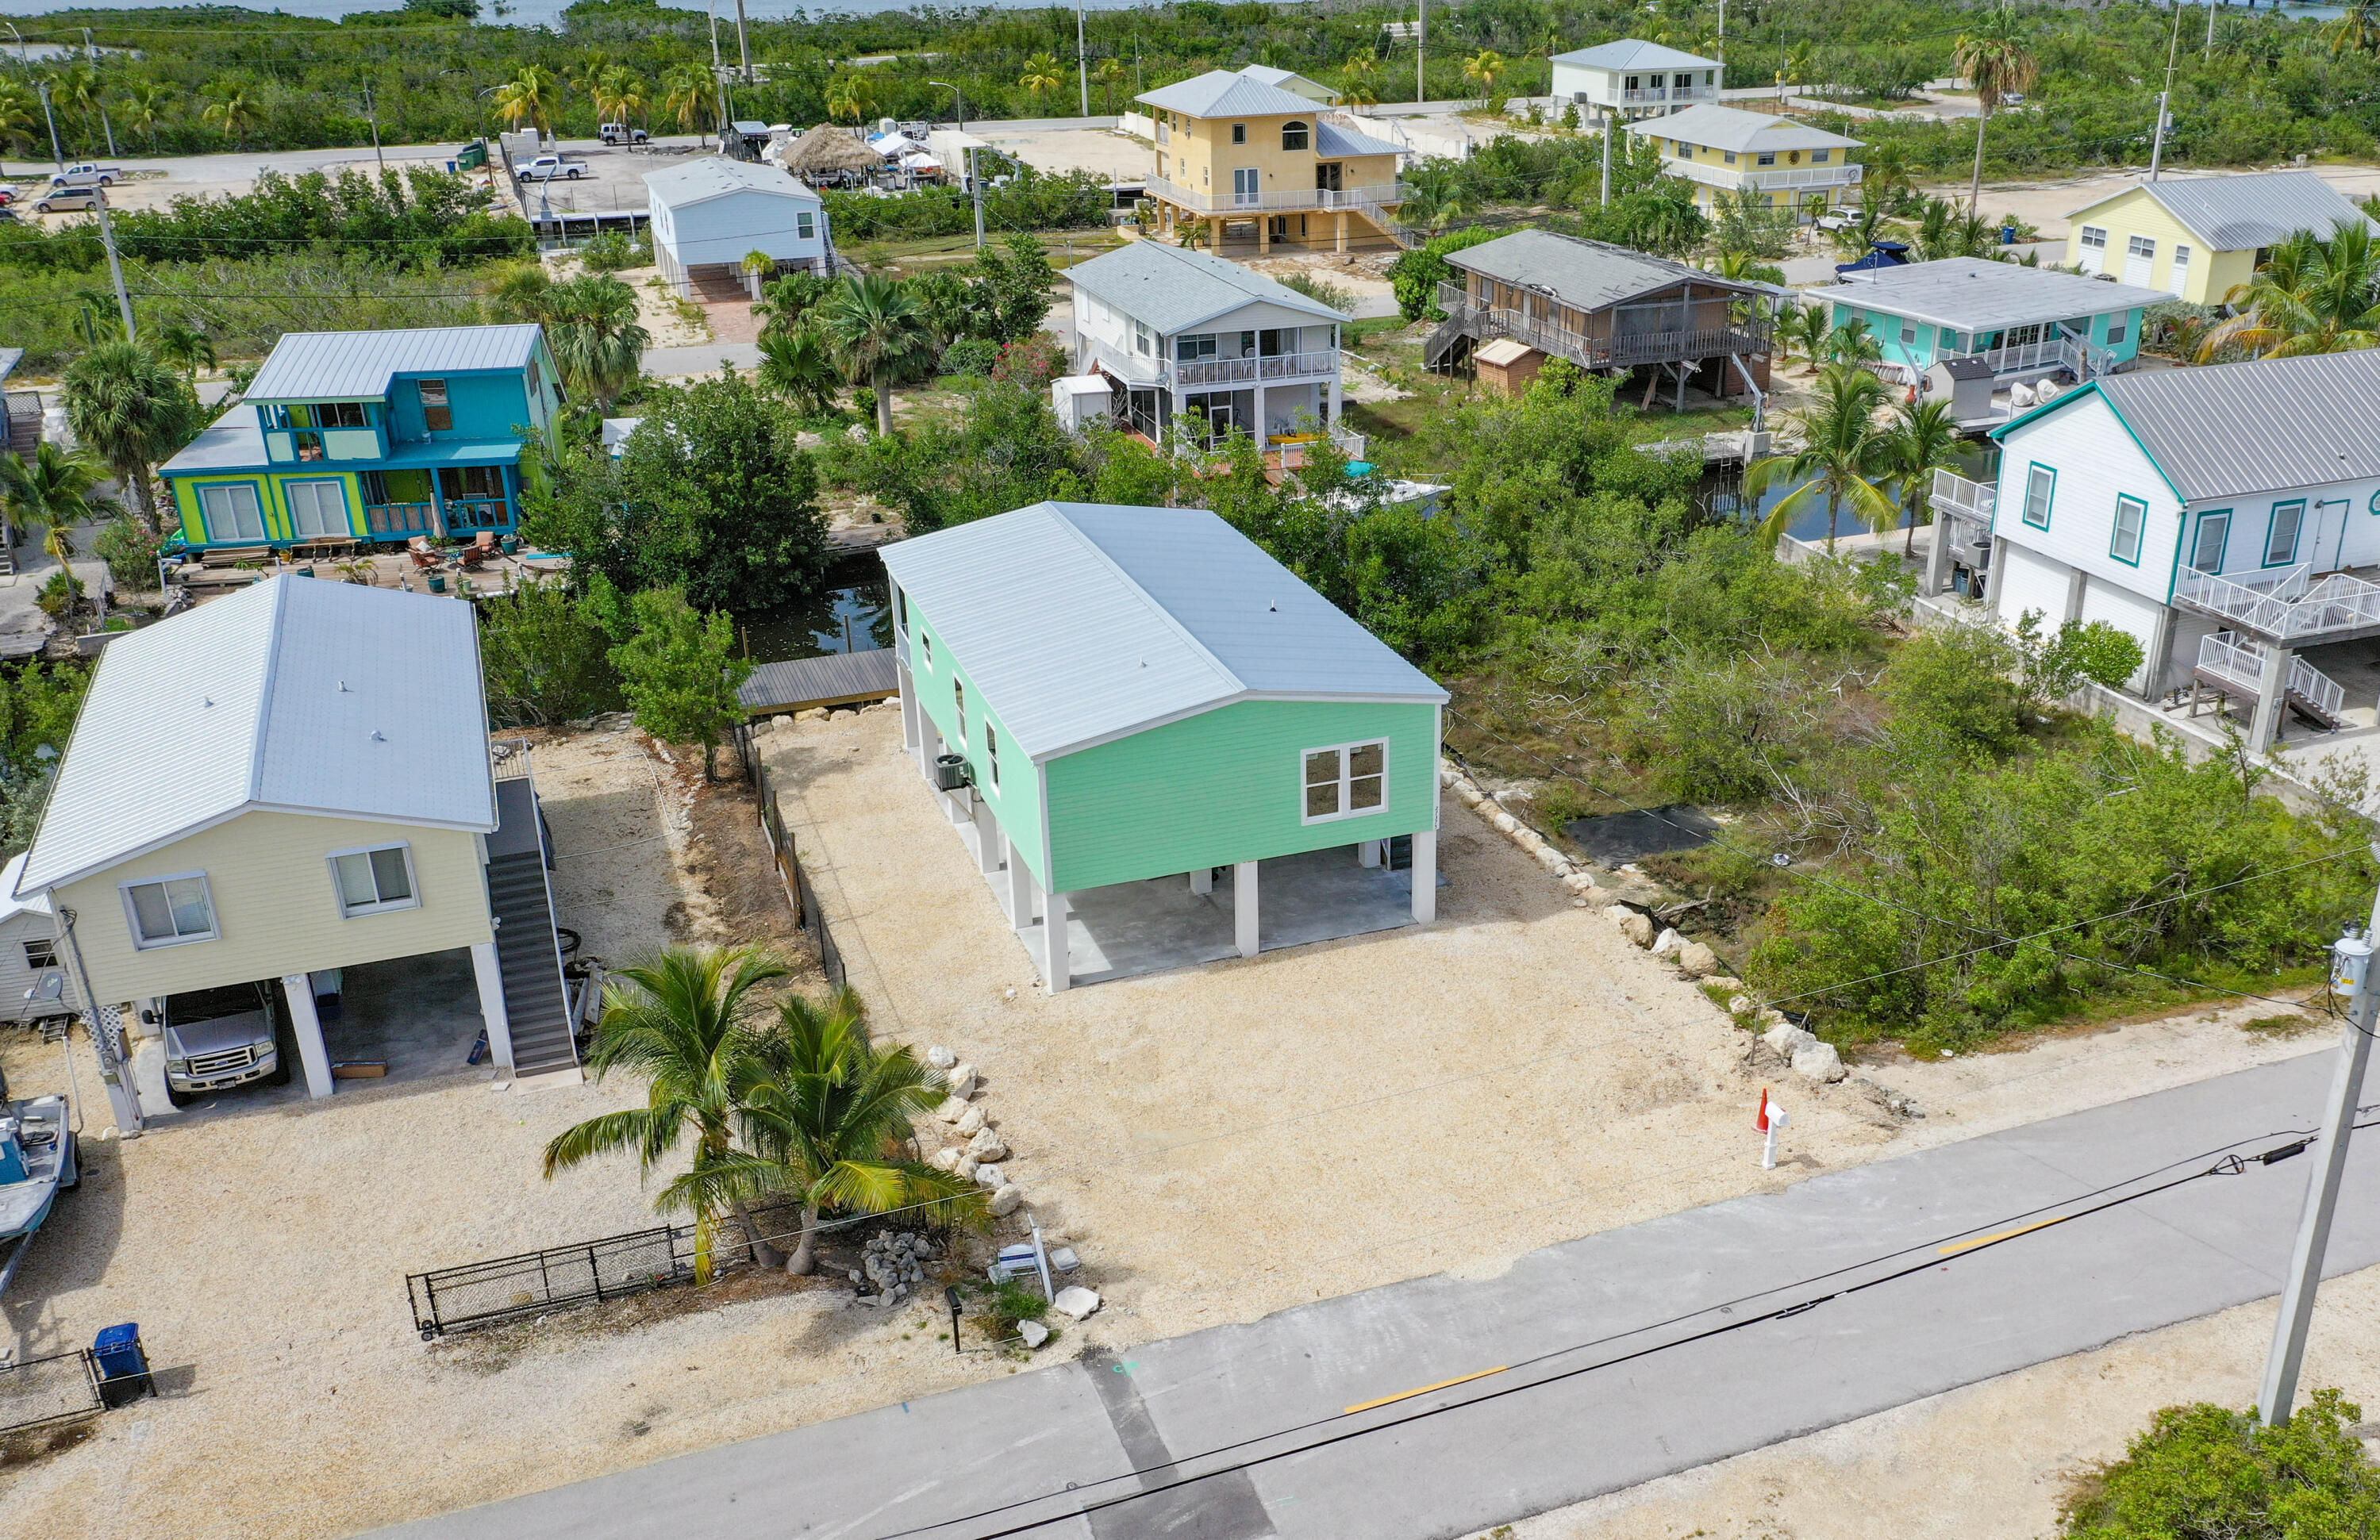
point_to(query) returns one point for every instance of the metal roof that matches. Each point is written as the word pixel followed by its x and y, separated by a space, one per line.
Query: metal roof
pixel 1333 142
pixel 1228 94
pixel 1265 74
pixel 1174 288
pixel 297 696
pixel 716 176
pixel 232 441
pixel 795 684
pixel 9 358
pixel 2245 210
pixel 2236 429
pixel 1081 622
pixel 10 904
pixel 1633 53
pixel 1977 293
pixel 1585 274
pixel 1734 128
pixel 357 366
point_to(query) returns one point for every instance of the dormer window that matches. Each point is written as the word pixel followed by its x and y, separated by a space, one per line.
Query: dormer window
pixel 1293 135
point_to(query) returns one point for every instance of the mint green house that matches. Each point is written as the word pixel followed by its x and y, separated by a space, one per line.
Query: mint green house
pixel 1140 721
pixel 2009 320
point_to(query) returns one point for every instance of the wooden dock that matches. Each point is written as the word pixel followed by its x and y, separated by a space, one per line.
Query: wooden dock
pixel 837 679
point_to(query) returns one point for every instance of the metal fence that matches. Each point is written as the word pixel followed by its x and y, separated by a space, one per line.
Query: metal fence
pixel 54 1389
pixel 799 892
pixel 479 1293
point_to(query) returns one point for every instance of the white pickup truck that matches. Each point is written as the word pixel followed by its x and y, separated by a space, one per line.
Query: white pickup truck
pixel 545 168
pixel 87 173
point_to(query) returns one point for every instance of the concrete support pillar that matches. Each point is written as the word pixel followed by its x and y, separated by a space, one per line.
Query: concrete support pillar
pixel 1368 853
pixel 2160 656
pixel 490 976
pixel 2078 588
pixel 1339 231
pixel 1264 234
pixel 297 989
pixel 1335 400
pixel 1053 941
pixel 1425 876
pixel 1202 881
pixel 2271 688
pixel 1243 907
pixel 909 707
pixel 1214 236
pixel 1937 556
pixel 989 840
pixel 1019 890
pixel 1995 580
pixel 1260 429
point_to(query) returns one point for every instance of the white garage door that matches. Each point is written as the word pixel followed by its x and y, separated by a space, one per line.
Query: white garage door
pixel 2127 612
pixel 2032 582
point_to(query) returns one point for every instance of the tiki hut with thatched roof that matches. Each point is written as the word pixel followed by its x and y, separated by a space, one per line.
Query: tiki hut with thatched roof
pixel 832 153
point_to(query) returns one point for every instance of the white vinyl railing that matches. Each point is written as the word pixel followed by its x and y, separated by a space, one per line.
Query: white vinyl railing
pixel 1201 201
pixel 2288 606
pixel 1139 370
pixel 1765 179
pixel 1953 493
pixel 2241 663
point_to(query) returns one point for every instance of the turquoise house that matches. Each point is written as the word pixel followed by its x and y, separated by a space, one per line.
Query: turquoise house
pixel 353 438
pixel 1138 717
pixel 2011 321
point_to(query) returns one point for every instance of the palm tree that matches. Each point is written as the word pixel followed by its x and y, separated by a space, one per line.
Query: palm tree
pixel 1807 327
pixel 1360 81
pixel 947 303
pixel 1853 343
pixel 518 293
pixel 876 329
pixel 57 492
pixel 852 95
pixel 1842 458
pixel 687 95
pixel 533 96
pixel 619 96
pixel 185 346
pixel 784 301
pixel 231 110
pixel 2356 29
pixel 1041 75
pixel 2313 297
pixel 133 411
pixel 683 1021
pixel 19 111
pixel 798 364
pixel 1922 438
pixel 1110 74
pixel 145 108
pixel 830 1110
pixel 1992 55
pixel 1485 67
pixel 590 321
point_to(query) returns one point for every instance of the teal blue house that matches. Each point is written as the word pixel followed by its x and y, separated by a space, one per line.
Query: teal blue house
pixel 354 438
pixel 2005 320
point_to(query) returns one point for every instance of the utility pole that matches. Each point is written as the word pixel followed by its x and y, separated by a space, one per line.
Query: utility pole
pixel 2351 974
pixel 57 153
pixel 1608 143
pixel 974 181
pixel 743 43
pixel 2210 29
pixel 90 56
pixel 2156 144
pixel 1082 59
pixel 372 110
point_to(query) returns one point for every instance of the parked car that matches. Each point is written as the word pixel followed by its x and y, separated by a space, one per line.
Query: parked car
pixel 87 173
pixel 545 168
pixel 621 133
pixel 8 196
pixel 219 1039
pixel 60 201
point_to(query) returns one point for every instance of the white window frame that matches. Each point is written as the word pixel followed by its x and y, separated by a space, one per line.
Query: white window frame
pixel 2142 246
pixel 132 915
pixel 357 911
pixel 2121 547
pixel 958 711
pixel 2048 495
pixel 311 504
pixel 991 751
pixel 926 648
pixel 1346 755
pixel 256 504
pixel 2094 238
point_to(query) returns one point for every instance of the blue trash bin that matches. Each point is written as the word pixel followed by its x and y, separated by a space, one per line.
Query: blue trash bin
pixel 123 1367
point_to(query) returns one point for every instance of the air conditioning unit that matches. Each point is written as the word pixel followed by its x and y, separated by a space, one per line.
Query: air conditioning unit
pixel 950 773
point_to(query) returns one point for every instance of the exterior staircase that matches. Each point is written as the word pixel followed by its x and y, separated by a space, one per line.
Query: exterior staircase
pixel 1448 343
pixel 522 904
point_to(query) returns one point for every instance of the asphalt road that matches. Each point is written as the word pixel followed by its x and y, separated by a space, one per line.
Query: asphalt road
pixel 1642 1390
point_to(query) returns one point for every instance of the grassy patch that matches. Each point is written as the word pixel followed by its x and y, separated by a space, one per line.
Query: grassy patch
pixel 2291 1025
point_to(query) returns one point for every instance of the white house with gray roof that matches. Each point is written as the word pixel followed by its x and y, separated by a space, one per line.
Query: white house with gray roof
pixel 2227 518
pixel 2199 238
pixel 1635 78
pixel 1177 331
pixel 1784 163
pixel 711 213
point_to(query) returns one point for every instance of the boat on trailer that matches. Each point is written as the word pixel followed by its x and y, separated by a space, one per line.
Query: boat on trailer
pixel 37 1162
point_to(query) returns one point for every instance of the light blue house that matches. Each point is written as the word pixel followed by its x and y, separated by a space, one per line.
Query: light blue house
pixel 349 438
pixel 2011 322
pixel 707 215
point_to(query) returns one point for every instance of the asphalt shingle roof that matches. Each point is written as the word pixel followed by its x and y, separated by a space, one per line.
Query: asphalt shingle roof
pixel 1081 622
pixel 1173 288
pixel 357 366
pixel 2246 211
pixel 1585 274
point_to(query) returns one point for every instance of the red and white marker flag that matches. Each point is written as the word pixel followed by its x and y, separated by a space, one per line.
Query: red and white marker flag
pixel 1768 1120
pixel 1761 1121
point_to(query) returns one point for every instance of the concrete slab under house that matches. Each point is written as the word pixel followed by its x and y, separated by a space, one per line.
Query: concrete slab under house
pixel 1160 745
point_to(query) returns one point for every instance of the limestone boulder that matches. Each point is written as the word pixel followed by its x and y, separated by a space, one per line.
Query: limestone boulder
pixel 1075 1303
pixel 1819 1062
pixel 988 1146
pixel 1698 959
pixel 1032 1332
pixel 1005 1198
pixel 941 1058
pixel 1637 928
pixel 962 1079
pixel 1785 1039
pixel 1667 944
pixel 952 1110
pixel 970 1123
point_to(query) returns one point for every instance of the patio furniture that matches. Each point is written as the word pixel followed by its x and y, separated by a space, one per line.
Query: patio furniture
pixel 476 554
pixel 419 547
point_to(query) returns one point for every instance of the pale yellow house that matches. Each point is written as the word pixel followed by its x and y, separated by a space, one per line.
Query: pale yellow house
pixel 1783 162
pixel 278 786
pixel 1254 163
pixel 2199 238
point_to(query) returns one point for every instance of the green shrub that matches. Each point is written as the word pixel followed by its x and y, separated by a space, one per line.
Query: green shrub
pixel 2200 1470
pixel 1323 291
pixel 971 356
pixel 130 552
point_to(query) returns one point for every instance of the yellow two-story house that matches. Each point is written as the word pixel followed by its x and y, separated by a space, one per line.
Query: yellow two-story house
pixel 2199 238
pixel 1257 164
pixel 1780 162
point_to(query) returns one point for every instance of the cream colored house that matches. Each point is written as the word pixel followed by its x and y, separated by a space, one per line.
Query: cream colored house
pixel 1254 163
pixel 2199 238
pixel 289 781
pixel 1784 163
pixel 1633 77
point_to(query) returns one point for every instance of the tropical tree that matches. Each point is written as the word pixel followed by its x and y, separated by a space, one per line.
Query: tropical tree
pixel 185 346
pixel 1109 73
pixel 785 301
pixel 1994 56
pixel 2356 29
pixel 591 322
pixel 1922 438
pixel 797 363
pixel 1859 233
pixel 20 113
pixel 133 411
pixel 1842 458
pixel 1042 74
pixel 518 294
pixel 1484 68
pixel 531 97
pixel 688 95
pixel 619 96
pixel 232 109
pixel 830 1108
pixel 2313 297
pixel 683 1020
pixel 57 493
pixel 1808 327
pixel 1360 81
pixel 876 329
pixel 1853 343
pixel 145 107
pixel 851 94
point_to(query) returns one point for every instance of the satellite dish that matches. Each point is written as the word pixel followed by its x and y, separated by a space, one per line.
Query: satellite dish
pixel 49 989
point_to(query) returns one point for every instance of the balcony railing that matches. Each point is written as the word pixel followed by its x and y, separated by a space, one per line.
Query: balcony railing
pixel 1198 200
pixel 1622 350
pixel 1140 370
pixel 2290 606
pixel 1767 179
pixel 1656 95
pixel 399 518
pixel 2240 664
pixel 1953 493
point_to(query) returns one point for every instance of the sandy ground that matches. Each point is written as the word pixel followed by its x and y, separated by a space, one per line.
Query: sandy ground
pixel 1103 153
pixel 1989 1461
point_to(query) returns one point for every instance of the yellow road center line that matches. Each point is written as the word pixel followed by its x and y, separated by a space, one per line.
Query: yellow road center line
pixel 2003 1235
pixel 1424 1390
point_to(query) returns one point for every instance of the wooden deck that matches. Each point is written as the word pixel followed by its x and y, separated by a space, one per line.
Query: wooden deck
pixel 837 679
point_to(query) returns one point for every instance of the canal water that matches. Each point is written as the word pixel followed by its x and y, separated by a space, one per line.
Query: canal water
pixel 1722 493
pixel 853 614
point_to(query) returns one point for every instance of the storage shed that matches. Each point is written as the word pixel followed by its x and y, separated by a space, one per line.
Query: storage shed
pixel 1138 717
pixel 31 982
pixel 713 213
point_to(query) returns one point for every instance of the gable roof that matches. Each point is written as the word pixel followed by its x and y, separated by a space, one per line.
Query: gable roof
pixel 1228 94
pixel 294 696
pixel 2245 210
pixel 1173 288
pixel 10 904
pixel 353 365
pixel 1289 80
pixel 1734 128
pixel 1081 622
pixel 1333 142
pixel 716 176
pixel 2235 430
pixel 1633 53
pixel 1978 294
pixel 1582 272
